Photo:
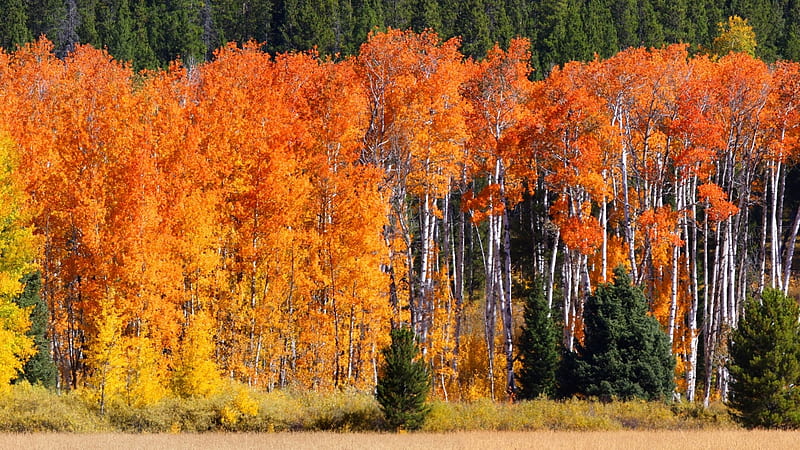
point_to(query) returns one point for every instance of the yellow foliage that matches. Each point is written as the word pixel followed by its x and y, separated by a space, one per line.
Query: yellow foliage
pixel 105 355
pixel 734 36
pixel 18 247
pixel 145 380
pixel 196 374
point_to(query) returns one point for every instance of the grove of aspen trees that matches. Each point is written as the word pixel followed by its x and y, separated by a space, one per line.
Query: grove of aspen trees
pixel 268 218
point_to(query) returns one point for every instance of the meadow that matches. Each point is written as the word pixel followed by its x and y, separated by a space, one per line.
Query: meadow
pixel 697 439
pixel 32 417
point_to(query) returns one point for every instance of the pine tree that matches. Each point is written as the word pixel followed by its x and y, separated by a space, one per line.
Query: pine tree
pixel 625 353
pixel 115 28
pixel 46 17
pixel 40 369
pixel 404 382
pixel 14 29
pixel 765 363
pixel 538 346
pixel 473 25
pixel 599 29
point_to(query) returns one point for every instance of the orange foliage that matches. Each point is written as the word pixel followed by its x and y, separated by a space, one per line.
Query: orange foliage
pixel 281 204
pixel 718 207
pixel 660 230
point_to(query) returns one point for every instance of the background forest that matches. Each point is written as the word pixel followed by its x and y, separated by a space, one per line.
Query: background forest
pixel 154 33
pixel 268 217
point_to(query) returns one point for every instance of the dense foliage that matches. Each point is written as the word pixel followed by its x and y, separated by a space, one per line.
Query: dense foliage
pixel 268 218
pixel 765 363
pixel 404 382
pixel 153 33
pixel 625 354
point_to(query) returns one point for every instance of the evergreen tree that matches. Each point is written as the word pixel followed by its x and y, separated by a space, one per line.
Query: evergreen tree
pixel 538 346
pixel 399 13
pixel 626 20
pixel 241 21
pixel 404 382
pixel 765 363
pixel 601 36
pixel 575 47
pixel 367 15
pixel 46 17
pixel 650 31
pixel 674 19
pixel 625 353
pixel 426 16
pixel 500 30
pixel 115 28
pixel 472 24
pixel 767 19
pixel 305 24
pixel 143 54
pixel 40 368
pixel 87 25
pixel 791 41
pixel 704 16
pixel 14 28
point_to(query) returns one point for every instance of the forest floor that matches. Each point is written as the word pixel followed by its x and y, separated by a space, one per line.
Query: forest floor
pixel 650 440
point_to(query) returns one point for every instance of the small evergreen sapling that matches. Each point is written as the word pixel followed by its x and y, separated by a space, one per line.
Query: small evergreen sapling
pixel 404 382
pixel 538 346
pixel 765 363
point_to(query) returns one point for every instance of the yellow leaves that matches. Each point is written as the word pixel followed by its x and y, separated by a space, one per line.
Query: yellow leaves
pixel 734 36
pixel 105 354
pixel 242 406
pixel 18 249
pixel 196 374
pixel 144 370
pixel 15 346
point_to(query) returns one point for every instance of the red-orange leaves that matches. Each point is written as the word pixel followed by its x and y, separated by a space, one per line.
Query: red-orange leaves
pixel 659 226
pixel 718 207
pixel 579 230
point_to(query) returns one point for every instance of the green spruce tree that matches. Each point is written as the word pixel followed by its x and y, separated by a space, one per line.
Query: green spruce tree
pixel 538 347
pixel 40 368
pixel 765 363
pixel 625 353
pixel 14 29
pixel 404 382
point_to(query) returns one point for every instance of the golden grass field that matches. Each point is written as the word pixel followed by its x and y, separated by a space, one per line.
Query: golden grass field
pixel 651 440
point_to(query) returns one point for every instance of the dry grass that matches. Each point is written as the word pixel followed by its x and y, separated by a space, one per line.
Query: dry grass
pixel 650 440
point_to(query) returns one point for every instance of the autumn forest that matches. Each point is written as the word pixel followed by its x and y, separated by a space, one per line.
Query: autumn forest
pixel 269 218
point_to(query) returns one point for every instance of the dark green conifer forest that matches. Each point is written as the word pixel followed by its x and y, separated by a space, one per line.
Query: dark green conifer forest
pixel 152 33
